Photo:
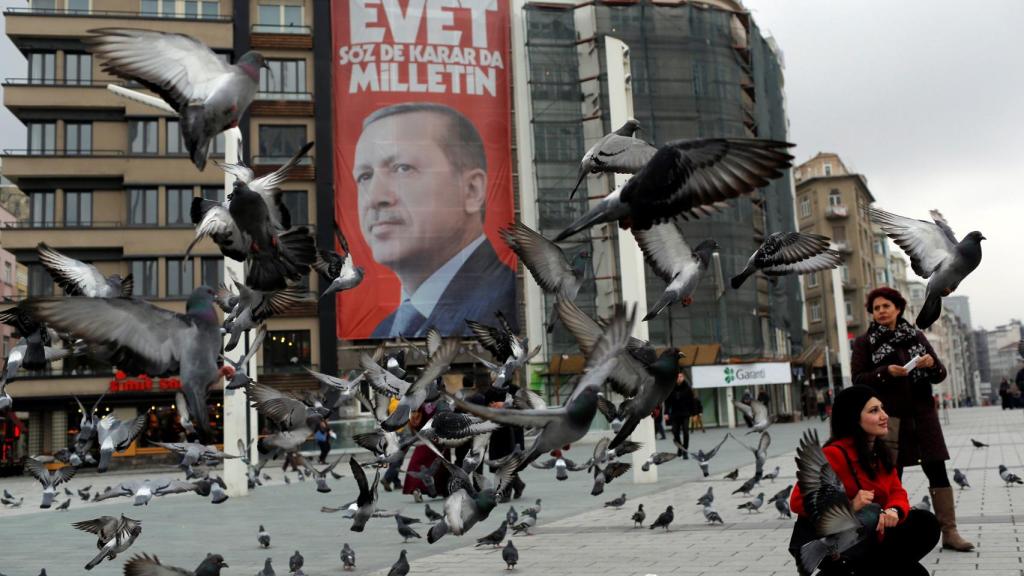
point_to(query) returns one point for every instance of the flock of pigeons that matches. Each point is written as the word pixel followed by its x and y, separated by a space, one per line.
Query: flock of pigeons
pixel 679 180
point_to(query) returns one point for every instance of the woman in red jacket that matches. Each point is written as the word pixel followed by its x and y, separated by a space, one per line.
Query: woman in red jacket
pixel 856 454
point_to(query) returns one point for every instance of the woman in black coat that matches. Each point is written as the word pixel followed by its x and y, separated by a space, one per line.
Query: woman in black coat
pixel 879 357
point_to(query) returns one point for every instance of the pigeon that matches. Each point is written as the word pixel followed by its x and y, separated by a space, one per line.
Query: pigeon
pixel 426 476
pixel 10 501
pixel 432 515
pixel 209 95
pixel 710 516
pixel 417 392
pixel 561 465
pixel 657 459
pixel 514 351
pixel 782 505
pixel 619 152
pixel 605 470
pixel 86 435
pixel 935 254
pixel 348 557
pixel 688 178
pixel 784 253
pixel 1009 477
pixel 404 530
pixel 148 340
pixel 295 562
pixel 80 279
pixel 535 509
pixel 114 535
pixel 760 452
pixel 562 426
pixel 526 521
pixel 267 570
pixel 753 505
pixel 960 479
pixel 616 503
pixel 83 493
pixel 512 516
pixel 218 495
pixel 141 491
pixel 34 350
pixel 639 516
pixel 400 567
pixel 146 565
pixel 663 520
pixel 828 508
pixel 255 307
pixel 665 371
pixel 747 486
pixel 263 537
pixel 547 263
pixel 925 504
pixel 192 453
pixel 366 501
pixel 733 475
pixel 494 538
pixel 510 555
pixel 672 259
pixel 702 458
pixel 320 476
pixel 65 505
pixel 757 412
pixel 339 272
pixel 707 498
pixel 978 444
pixel 49 479
pixel 116 436
pixel 296 418
pixel 772 475
pixel 781 494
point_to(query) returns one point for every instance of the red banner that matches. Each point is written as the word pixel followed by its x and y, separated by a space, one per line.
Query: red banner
pixel 423 163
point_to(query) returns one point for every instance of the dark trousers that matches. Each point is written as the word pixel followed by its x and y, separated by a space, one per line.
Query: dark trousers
pixel 935 471
pixel 325 448
pixel 659 426
pixel 681 423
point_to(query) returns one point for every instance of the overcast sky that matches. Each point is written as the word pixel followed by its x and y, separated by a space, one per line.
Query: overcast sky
pixel 923 97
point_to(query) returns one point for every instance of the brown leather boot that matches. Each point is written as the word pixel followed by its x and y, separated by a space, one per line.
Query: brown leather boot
pixel 942 500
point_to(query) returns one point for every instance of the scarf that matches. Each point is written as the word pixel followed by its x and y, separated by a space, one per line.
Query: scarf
pixel 885 342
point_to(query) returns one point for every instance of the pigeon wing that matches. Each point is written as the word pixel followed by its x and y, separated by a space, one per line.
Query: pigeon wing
pixel 825 261
pixel 665 249
pixel 628 375
pixel 382 380
pixel 124 433
pixel 542 257
pixel 792 247
pixel 622 154
pixel 820 486
pixel 524 418
pixel 146 565
pixel 925 242
pixel 74 276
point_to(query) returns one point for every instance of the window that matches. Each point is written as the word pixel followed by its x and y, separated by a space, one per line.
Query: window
pixel 81 6
pixel 42 68
pixel 828 169
pixel 77 67
pixel 849 309
pixel 41 209
pixel 144 277
pixel 8 273
pixel 142 207
pixel 78 209
pixel 42 137
pixel 805 207
pixel 44 5
pixel 202 8
pixel 880 277
pixel 845 272
pixel 279 17
pixel 879 246
pixel 212 272
pixel 77 138
pixel 215 193
pixel 39 281
pixel 816 311
pixel 835 198
pixel 812 280
pixel 179 205
pixel 142 136
pixel 175 144
pixel 839 233
pixel 179 277
pixel 279 143
pixel 298 206
pixel 286 351
pixel 284 77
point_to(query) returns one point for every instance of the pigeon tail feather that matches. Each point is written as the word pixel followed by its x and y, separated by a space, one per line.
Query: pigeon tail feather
pixel 929 312
pixel 740 278
pixel 812 553
pixel 663 303
pixel 193 128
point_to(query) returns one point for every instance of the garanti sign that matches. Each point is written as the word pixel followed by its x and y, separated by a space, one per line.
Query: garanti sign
pixel 722 375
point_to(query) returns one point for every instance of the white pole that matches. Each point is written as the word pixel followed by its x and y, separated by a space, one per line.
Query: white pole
pixel 843 343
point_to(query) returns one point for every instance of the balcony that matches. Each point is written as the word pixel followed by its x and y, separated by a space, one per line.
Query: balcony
pixel 842 246
pixel 23 95
pixel 26 235
pixel 305 170
pixel 54 166
pixel 283 104
pixel 59 24
pixel 278 37
pixel 836 212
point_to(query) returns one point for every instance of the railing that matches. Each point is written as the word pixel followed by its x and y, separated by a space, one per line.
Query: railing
pixel 280 160
pixel 280 29
pixel 836 211
pixel 296 96
pixel 60 225
pixel 65 152
pixel 842 246
pixel 61 82
pixel 111 13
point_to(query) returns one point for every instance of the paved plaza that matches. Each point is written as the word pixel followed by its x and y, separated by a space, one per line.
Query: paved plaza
pixel 575 535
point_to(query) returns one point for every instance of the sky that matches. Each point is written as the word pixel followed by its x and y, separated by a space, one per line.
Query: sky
pixel 919 96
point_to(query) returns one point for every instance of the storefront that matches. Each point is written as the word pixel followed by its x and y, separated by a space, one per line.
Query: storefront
pixel 727 383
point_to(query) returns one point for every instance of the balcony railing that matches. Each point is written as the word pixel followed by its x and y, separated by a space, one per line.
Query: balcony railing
pixel 55 152
pixel 280 29
pixel 60 225
pixel 112 14
pixel 61 82
pixel 842 246
pixel 296 96
pixel 280 160
pixel 836 211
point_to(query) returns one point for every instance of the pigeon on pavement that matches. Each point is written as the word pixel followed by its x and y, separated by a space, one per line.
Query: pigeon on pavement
pixel 494 538
pixel 146 565
pixel 772 475
pixel 208 94
pixel 263 537
pixel 267 570
pixel 753 505
pixel 10 501
pixel 616 503
pixel 733 475
pixel 978 444
pixel 935 254
pixel 400 567
pixel 114 536
pixel 960 478
pixel 782 505
pixel 781 494
pixel 784 253
pixel 510 555
pixel 295 562
pixel 526 521
pixel 1009 477
pixel 49 479
pixel 431 514
pixel 707 498
pixel 663 520
pixel 80 279
pixel 639 516
pixel 619 152
pixel 404 530
pixel 348 557
pixel 672 259
pixel 512 516
pixel 747 486
pixel 711 516
pixel 65 505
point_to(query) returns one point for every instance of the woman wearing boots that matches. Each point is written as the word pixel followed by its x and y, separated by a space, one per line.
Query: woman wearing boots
pixel 856 454
pixel 915 435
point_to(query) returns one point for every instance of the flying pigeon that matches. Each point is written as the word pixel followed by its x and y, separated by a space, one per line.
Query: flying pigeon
pixel 404 530
pixel 657 459
pixel 782 505
pixel 400 567
pixel 510 555
pixel 688 178
pixel 10 501
pixel 663 520
pixel 781 494
pixel 348 557
pixel 616 503
pixel 83 492
pixel 80 279
pixel 34 350
pixel 296 418
pixel 209 95
pixel 339 272
pixel 49 479
pixel 978 444
pixel 431 514
pixel 86 435
pixel 603 465
pixel 733 475
pixel 707 498
pixel 672 259
pixel 753 505
pixel 702 458
pixel 418 391
pixel 494 538
pixel 146 565
pixel 553 272
pixel 193 453
pixel 503 343
pixel 935 254
pixel 561 465
pixel 141 491
pixel 760 452
pixel 1009 477
pixel 267 570
pixel 619 152
pixel 320 476
pixel 710 516
pixel 639 516
pixel 263 537
pixel 960 479
pixel 366 501
pixel 450 429
pixel 114 536
pixel 426 476
pixel 254 307
pixel 757 412
pixel 784 253
pixel 665 371
pixel 295 562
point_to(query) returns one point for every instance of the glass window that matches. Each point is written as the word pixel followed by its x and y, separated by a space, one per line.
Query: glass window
pixel 144 277
pixel 849 309
pixel 215 193
pixel 845 272
pixel 77 68
pixel 835 198
pixel 8 273
pixel 150 7
pixel 78 209
pixel 828 169
pixel 212 273
pixel 179 277
pixel 812 279
pixel 142 135
pixel 44 5
pixel 142 207
pixel 40 283
pixel 279 143
pixel 175 142
pixel 839 233
pixel 298 206
pixel 880 277
pixel 41 209
pixel 42 68
pixel 285 351
pixel 77 138
pixel 77 5
pixel 281 16
pixel 284 76
pixel 805 207
pixel 269 14
pixel 210 8
pixel 42 137
pixel 179 205
pixel 816 311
